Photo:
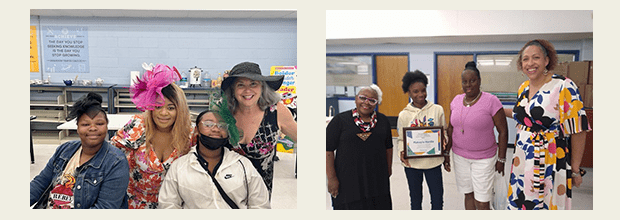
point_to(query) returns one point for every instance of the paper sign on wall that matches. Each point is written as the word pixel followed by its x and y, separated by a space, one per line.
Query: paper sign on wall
pixel 65 49
pixel 290 75
pixel 289 99
pixel 34 53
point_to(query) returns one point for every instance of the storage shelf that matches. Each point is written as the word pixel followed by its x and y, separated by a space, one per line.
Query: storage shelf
pixel 51 103
pixel 103 105
pixel 197 98
pixel 48 120
pixel 45 103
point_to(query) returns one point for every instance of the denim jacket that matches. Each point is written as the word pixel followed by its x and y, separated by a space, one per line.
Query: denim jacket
pixel 100 183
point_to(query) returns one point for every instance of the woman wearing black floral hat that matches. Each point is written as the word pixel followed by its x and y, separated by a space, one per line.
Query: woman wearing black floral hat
pixel 259 115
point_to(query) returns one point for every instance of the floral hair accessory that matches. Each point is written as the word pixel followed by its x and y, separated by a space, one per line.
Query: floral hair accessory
pixel 146 92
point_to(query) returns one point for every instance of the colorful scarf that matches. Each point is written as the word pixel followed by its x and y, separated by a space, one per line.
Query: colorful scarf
pixel 364 126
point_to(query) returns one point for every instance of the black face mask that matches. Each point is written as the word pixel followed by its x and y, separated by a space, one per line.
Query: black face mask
pixel 212 143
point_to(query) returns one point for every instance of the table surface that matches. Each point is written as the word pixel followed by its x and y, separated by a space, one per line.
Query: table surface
pixel 115 122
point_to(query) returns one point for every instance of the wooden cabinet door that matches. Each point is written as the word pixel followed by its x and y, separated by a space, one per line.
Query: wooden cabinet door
pixel 449 69
pixel 390 72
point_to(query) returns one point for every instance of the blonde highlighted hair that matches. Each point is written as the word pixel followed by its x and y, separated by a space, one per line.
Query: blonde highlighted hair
pixel 181 127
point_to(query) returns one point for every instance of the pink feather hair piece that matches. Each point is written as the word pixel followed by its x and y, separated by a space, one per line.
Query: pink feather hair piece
pixel 146 92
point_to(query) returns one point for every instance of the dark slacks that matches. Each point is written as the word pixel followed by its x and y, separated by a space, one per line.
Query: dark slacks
pixel 434 182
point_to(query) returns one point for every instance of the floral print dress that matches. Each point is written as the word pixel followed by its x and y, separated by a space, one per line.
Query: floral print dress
pixel 541 169
pixel 146 171
pixel 261 150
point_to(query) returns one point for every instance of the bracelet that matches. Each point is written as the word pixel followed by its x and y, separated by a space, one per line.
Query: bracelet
pixel 581 172
pixel 501 160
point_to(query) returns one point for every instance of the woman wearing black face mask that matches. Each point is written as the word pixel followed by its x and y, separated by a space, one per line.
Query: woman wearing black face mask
pixel 211 176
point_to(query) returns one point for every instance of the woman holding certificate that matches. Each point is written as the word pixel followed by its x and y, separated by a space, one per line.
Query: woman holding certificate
pixel 421 113
pixel 358 176
pixel 473 116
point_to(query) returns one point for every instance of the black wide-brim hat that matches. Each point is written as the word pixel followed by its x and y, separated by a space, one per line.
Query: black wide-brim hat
pixel 251 71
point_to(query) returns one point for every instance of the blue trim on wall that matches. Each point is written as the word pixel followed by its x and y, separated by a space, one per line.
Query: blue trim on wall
pixel 476 53
pixel 345 98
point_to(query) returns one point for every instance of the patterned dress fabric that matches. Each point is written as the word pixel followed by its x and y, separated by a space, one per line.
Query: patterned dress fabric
pixel 541 165
pixel 261 150
pixel 146 171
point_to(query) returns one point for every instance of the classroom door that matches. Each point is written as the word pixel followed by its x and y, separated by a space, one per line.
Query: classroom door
pixel 449 69
pixel 390 71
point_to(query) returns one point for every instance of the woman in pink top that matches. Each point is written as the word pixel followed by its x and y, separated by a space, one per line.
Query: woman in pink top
pixel 471 136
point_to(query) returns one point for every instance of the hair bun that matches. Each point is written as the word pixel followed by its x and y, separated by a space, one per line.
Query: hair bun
pixel 470 64
pixel 94 97
pixel 84 104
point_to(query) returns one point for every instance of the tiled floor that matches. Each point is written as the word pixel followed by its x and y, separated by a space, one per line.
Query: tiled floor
pixel 285 183
pixel 453 200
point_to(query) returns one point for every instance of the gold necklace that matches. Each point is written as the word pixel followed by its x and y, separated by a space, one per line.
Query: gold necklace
pixel 469 103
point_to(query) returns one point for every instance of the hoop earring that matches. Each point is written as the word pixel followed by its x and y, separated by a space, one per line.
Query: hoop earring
pixel 546 72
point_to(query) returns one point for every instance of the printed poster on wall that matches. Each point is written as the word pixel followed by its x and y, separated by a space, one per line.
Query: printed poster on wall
pixel 34 53
pixel 65 49
pixel 290 75
pixel 288 90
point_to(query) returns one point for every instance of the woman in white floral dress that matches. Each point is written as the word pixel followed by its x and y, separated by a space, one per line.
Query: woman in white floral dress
pixel 549 112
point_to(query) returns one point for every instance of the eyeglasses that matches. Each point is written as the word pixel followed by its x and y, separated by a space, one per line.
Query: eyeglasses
pixel 370 100
pixel 210 124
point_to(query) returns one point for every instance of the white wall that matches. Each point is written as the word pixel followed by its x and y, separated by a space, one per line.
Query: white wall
pixel 381 24
pixel 120 45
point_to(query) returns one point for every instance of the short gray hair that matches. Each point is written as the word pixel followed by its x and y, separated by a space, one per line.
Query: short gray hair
pixel 374 88
pixel 267 98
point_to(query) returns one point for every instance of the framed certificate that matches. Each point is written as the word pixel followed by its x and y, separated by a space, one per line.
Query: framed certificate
pixel 423 141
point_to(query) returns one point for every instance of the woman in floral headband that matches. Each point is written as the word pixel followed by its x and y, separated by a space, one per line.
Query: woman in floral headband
pixel 153 140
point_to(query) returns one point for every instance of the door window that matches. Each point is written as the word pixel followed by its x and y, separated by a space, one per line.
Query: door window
pixel 499 74
pixel 345 74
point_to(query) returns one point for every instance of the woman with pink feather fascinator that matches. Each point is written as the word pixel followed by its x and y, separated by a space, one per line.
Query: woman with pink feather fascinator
pixel 153 140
